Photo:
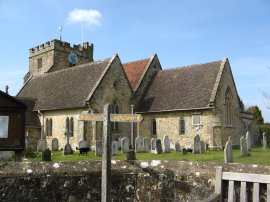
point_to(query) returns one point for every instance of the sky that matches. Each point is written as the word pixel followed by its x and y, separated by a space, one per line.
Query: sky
pixel 180 32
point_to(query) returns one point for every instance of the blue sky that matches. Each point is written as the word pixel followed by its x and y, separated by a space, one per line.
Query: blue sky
pixel 180 32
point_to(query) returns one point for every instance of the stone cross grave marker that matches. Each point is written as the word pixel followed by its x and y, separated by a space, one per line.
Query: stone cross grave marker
pixel 106 118
pixel 264 141
pixel 228 154
pixel 67 148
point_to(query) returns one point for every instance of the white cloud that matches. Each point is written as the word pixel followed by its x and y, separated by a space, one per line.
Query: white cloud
pixel 89 17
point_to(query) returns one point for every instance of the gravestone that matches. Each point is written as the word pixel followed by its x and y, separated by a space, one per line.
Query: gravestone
pixel 46 155
pixel 153 143
pixel 115 148
pixel 67 148
pixel 167 144
pixel 158 149
pixel 27 142
pixel 172 145
pixel 131 155
pixel 203 147
pixel 98 151
pixel 248 140
pixel 139 144
pixel 55 144
pixel 5 155
pixel 83 144
pixel 197 145
pixel 124 145
pixel 146 144
pixel 264 141
pixel 228 153
pixel 184 151
pixel 177 147
pixel 42 144
pixel 243 146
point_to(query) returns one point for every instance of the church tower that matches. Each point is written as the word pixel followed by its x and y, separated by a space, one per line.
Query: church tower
pixel 56 55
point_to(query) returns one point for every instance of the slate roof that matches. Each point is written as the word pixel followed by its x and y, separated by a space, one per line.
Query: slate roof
pixel 182 88
pixel 31 117
pixel 68 88
pixel 134 71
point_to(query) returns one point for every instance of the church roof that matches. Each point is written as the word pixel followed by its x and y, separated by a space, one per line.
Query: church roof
pixel 134 70
pixel 182 88
pixel 67 88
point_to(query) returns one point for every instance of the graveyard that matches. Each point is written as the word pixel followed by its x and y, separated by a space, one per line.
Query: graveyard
pixel 256 156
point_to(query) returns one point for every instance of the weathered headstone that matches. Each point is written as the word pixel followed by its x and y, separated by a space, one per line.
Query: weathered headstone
pixel 158 149
pixel 115 148
pixel 264 141
pixel 184 151
pixel 243 146
pixel 197 145
pixel 228 153
pixel 83 144
pixel 5 155
pixel 146 144
pixel 27 142
pixel 203 147
pixel 248 140
pixel 172 145
pixel 153 143
pixel 67 148
pixel 98 151
pixel 139 144
pixel 42 144
pixel 130 155
pixel 177 147
pixel 46 155
pixel 166 142
pixel 55 144
pixel 124 145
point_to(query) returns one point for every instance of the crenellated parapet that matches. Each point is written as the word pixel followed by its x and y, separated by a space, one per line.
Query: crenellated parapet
pixel 84 50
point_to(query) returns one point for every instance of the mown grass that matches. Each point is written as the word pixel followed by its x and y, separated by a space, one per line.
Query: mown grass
pixel 256 156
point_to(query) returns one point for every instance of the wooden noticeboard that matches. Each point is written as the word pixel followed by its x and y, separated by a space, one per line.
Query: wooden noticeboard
pixel 12 123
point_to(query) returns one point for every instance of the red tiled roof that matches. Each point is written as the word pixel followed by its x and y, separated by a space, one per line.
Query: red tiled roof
pixel 134 71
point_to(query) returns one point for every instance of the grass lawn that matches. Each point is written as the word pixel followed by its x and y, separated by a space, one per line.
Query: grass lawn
pixel 257 156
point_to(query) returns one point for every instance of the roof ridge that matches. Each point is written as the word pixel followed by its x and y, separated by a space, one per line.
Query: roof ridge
pixel 190 66
pixel 137 61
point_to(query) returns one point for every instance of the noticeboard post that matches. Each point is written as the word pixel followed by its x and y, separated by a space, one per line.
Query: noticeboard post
pixel 106 118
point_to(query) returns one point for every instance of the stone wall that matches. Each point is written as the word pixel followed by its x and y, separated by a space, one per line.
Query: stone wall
pixel 168 123
pixel 131 181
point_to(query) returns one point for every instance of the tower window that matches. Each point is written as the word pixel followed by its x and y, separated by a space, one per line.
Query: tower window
pixel 39 61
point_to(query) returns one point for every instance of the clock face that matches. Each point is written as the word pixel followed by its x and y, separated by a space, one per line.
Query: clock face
pixel 72 57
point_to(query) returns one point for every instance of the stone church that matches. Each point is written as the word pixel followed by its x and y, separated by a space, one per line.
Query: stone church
pixel 64 80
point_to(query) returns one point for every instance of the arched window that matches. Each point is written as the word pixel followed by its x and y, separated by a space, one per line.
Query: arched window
pixel 67 124
pixel 228 107
pixel 182 126
pixel 47 127
pixel 154 127
pixel 71 126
